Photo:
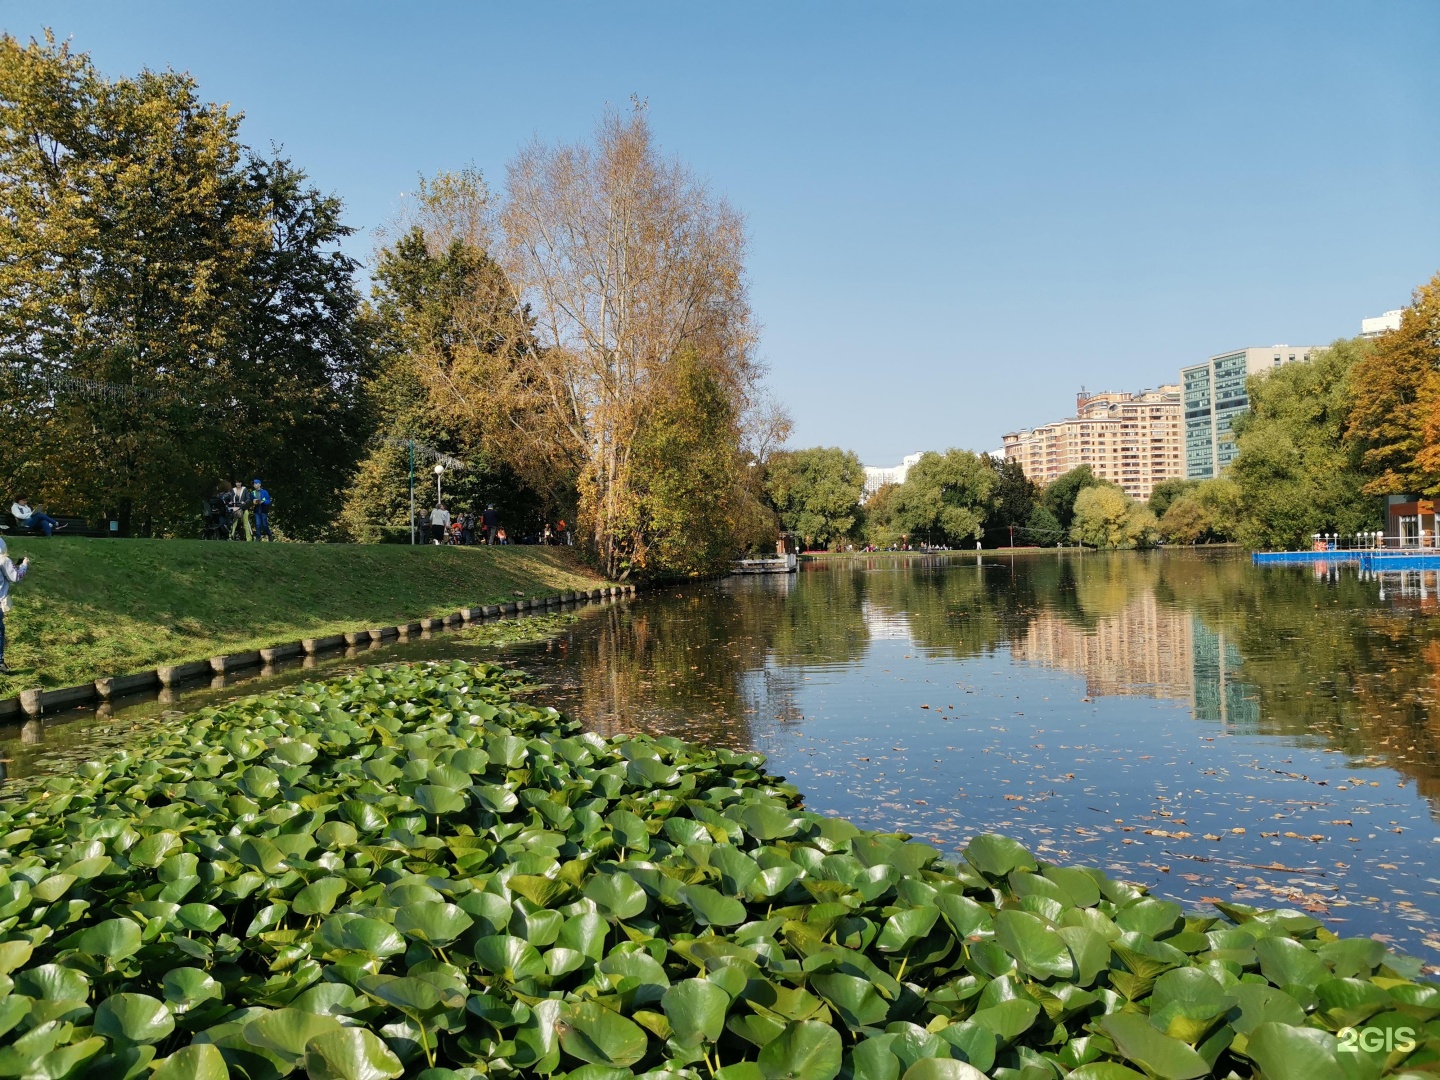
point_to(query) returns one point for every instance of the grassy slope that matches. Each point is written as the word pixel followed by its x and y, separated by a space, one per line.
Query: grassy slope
pixel 91 608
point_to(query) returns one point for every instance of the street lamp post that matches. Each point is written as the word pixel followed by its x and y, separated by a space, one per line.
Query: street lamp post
pixel 439 472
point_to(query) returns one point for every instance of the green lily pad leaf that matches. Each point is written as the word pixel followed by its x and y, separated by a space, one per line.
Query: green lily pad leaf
pixel 511 958
pixel 741 1070
pixel 1261 1004
pixel 350 1054
pixel 1348 1002
pixel 1294 1053
pixel 136 1018
pixel 1185 1001
pixel 856 1000
pixel 640 970
pixel 1160 1055
pixel 434 924
pixel 154 849
pixel 971 1042
pixel 650 773
pixel 756 1030
pixel 629 830
pixel 319 897
pixel 114 939
pixel 906 926
pixel 1154 918
pixel 496 798
pixel 1079 887
pixel 1286 962
pixel 14 954
pixel 53 982
pixel 1039 950
pixel 1008 1019
pixel 871 1059
pixel 203 917
pixel 435 799
pixel 409 994
pixel 617 895
pixel 712 908
pixel 766 822
pixel 198 1061
pixel 561 961
pixel 805 1050
pixel 1105 1070
pixel 593 1033
pixel 263 856
pixel 378 939
pixel 995 855
pixel 936 1068
pixel 1352 957
pixel 1089 950
pixel 286 1031
pixel 542 891
pixel 184 988
pixel 737 870
pixel 696 1011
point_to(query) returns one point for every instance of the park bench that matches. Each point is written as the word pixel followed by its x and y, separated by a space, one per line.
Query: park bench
pixel 67 526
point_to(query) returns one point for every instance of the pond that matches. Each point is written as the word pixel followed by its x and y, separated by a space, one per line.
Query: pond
pixel 1210 729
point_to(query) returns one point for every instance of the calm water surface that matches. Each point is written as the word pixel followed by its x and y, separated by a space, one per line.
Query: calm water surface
pixel 1213 730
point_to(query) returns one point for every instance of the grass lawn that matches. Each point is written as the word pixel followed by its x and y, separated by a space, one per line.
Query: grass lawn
pixel 91 608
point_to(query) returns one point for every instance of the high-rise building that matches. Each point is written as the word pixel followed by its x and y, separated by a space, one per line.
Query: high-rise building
pixel 1381 324
pixel 1133 440
pixel 1214 394
pixel 876 478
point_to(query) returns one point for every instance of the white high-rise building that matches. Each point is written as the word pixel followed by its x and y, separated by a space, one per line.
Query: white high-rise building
pixel 876 477
pixel 1381 324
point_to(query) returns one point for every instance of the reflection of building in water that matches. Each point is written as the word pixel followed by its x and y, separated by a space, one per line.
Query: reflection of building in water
pixel 884 625
pixel 1143 650
pixel 1217 693
pixel 1146 650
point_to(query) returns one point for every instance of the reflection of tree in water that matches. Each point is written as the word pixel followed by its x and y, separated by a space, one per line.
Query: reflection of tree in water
pixel 1324 662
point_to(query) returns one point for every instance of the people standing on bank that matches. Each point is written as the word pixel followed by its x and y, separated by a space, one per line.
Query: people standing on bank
pixel 28 518
pixel 239 502
pixel 261 502
pixel 9 574
pixel 490 523
pixel 439 523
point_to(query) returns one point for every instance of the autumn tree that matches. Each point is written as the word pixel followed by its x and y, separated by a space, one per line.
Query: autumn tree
pixel 1058 496
pixel 1394 419
pixel 816 492
pixel 174 308
pixel 627 263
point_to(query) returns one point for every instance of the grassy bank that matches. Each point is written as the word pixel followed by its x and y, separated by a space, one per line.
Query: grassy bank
pixel 91 608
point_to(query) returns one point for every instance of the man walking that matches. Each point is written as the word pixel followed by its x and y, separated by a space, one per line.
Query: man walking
pixel 238 500
pixel 31 519
pixel 490 522
pixel 260 499
pixel 439 523
pixel 9 574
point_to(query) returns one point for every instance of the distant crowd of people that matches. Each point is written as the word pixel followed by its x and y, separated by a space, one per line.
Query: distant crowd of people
pixel 467 527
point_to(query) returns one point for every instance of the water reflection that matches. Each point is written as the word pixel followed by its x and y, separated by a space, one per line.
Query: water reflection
pixel 1192 722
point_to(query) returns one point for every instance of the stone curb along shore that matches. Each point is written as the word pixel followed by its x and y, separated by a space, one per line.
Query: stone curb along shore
pixel 33 703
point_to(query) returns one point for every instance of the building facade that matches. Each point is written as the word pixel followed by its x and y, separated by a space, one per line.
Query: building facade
pixel 1381 324
pixel 876 477
pixel 1214 394
pixel 1133 440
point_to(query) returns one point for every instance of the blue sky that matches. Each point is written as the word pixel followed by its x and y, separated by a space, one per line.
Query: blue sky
pixel 959 213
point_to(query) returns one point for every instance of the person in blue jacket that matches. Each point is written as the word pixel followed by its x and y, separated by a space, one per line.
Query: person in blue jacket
pixel 260 503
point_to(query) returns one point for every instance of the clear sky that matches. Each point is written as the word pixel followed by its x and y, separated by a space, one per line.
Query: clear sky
pixel 960 213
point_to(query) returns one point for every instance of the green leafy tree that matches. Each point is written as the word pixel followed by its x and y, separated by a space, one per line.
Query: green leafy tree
pixel 1163 494
pixel 689 489
pixel 1296 473
pixel 816 492
pixel 1105 517
pixel 1059 495
pixel 1185 521
pixel 174 309
pixel 1042 527
pixel 425 319
pixel 878 517
pixel 1011 502
pixel 945 497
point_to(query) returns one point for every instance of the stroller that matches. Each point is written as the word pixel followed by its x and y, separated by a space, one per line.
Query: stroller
pixel 216 516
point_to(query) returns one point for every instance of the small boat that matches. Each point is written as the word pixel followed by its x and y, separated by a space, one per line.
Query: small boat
pixel 768 564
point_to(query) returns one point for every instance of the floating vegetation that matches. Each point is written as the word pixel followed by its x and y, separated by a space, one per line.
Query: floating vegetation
pixel 407 871
pixel 519 631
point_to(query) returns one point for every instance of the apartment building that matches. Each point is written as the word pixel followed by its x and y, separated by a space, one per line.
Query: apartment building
pixel 1133 440
pixel 1214 394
